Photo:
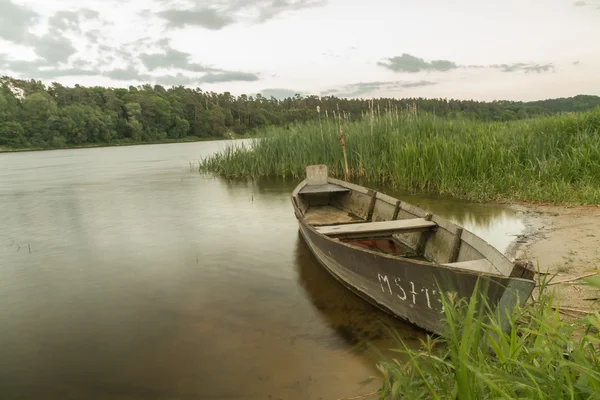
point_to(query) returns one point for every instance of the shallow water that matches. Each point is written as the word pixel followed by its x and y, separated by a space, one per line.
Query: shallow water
pixel 497 224
pixel 123 275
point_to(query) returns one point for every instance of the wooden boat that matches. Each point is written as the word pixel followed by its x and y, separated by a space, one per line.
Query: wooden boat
pixel 398 256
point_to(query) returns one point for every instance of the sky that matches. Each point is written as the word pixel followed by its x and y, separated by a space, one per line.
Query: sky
pixel 463 49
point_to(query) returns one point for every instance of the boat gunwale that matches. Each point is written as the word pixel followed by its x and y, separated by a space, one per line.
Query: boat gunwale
pixel 435 218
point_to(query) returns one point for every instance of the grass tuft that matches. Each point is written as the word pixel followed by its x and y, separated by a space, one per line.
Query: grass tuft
pixel 536 357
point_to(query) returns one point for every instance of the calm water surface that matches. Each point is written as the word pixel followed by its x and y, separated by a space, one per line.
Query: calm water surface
pixel 123 275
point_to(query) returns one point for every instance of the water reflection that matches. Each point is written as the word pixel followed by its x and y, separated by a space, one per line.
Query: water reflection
pixel 355 320
pixel 263 186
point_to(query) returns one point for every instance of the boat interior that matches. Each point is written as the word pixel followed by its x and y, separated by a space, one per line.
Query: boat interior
pixel 333 221
pixel 371 220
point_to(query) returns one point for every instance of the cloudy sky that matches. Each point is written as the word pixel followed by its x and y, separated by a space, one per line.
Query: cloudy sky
pixel 479 49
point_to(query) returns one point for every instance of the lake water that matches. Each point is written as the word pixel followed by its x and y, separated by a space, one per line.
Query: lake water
pixel 124 275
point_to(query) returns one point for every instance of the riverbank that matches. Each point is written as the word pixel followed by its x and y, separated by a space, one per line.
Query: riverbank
pixel 564 242
pixel 188 139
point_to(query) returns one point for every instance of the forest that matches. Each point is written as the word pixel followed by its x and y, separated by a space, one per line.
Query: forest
pixel 35 115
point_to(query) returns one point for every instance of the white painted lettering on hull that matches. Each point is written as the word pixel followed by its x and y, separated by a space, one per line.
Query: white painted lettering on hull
pixel 400 292
pixel 397 281
pixel 412 285
pixel 384 278
pixel 440 301
pixel 427 297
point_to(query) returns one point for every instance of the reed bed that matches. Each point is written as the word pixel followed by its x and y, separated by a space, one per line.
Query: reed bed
pixel 555 159
pixel 538 355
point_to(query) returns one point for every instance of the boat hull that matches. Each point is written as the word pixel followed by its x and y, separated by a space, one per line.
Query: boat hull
pixel 406 288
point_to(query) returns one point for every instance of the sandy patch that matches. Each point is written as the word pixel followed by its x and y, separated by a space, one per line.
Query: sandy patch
pixel 564 241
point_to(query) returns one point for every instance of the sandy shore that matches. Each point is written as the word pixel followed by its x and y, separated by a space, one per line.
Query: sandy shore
pixel 564 241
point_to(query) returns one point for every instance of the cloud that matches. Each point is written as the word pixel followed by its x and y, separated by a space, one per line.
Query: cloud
pixel 589 3
pixel 38 69
pixel 126 53
pixel 276 7
pixel 416 84
pixel 56 52
pixel 171 58
pixel 93 36
pixel 279 93
pixel 174 80
pixel 410 63
pixel 217 14
pixel 527 68
pixel 70 20
pixel 127 74
pixel 56 73
pixel 364 88
pixel 54 47
pixel 15 21
pixel 206 18
pixel 27 67
pixel 228 76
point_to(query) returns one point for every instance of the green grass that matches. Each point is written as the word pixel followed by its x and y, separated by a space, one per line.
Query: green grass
pixel 537 357
pixel 555 159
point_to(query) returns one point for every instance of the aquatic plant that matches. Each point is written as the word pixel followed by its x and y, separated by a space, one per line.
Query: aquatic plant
pixel 554 158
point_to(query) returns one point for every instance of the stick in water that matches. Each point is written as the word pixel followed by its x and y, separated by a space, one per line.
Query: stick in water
pixel 573 279
pixel 571 309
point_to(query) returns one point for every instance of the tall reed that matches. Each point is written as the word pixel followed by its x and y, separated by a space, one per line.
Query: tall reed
pixel 554 158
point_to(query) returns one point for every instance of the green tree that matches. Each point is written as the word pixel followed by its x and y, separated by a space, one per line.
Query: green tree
pixel 179 129
pixel 12 134
pixel 9 106
pixel 36 111
pixel 76 115
pixel 216 119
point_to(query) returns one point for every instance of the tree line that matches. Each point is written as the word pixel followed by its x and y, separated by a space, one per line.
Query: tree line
pixel 35 115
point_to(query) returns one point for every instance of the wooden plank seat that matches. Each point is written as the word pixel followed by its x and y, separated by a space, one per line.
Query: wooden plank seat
pixel 374 229
pixel 322 189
